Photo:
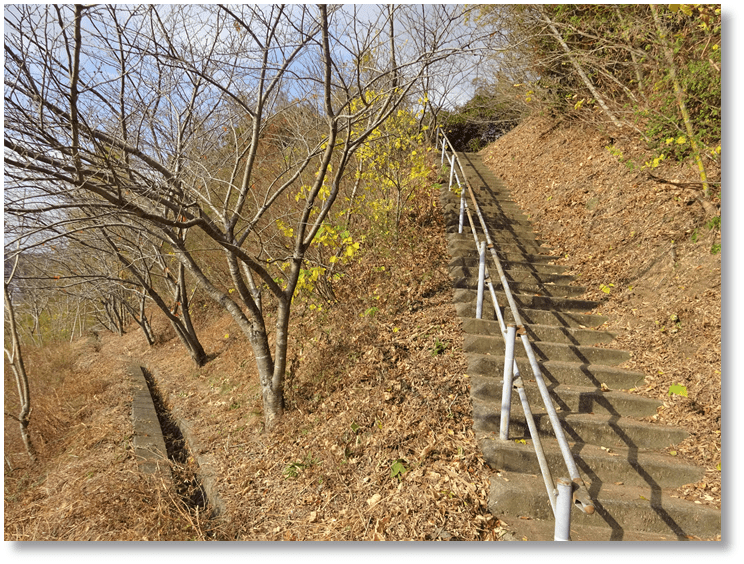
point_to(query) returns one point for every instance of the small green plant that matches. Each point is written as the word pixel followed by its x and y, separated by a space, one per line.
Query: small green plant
pixel 677 390
pixel 397 469
pixel 694 236
pixel 714 223
pixel 715 249
pixel 614 151
pixel 293 469
pixel 439 347
pixel 371 312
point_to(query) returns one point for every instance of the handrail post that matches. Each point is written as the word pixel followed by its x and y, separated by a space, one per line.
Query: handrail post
pixel 511 333
pixel 481 279
pixel 443 146
pixel 462 208
pixel 563 504
pixel 452 170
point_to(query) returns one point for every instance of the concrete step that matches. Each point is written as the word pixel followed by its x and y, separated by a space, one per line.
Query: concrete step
pixel 451 215
pixel 498 237
pixel 516 225
pixel 530 301
pixel 541 270
pixel 504 244
pixel 609 431
pixel 576 399
pixel 548 333
pixel 495 216
pixel 520 276
pixel 559 373
pixel 631 467
pixel 620 508
pixel 466 308
pixel 551 290
pixel 534 530
pixel 510 254
pixel 495 346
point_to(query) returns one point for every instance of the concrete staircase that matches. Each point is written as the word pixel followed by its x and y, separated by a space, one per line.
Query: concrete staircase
pixel 628 475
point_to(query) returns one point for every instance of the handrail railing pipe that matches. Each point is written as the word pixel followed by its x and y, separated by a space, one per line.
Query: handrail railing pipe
pixel 536 442
pixel 577 489
pixel 518 385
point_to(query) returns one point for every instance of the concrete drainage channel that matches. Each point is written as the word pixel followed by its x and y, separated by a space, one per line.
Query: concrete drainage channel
pixel 164 444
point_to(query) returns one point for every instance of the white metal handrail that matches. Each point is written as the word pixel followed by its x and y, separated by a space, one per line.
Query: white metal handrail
pixel 577 489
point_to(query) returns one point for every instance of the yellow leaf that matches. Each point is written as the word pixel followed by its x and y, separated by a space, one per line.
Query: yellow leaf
pixel 227 335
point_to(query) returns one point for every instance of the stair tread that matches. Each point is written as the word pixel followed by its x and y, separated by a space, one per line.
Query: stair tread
pixel 617 507
pixel 563 363
pixel 649 468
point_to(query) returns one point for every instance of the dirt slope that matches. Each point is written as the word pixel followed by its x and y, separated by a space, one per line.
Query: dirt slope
pixel 376 443
pixel 377 440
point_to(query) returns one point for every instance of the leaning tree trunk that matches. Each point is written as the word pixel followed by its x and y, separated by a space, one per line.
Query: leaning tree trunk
pixel 679 94
pixel 15 357
pixel 585 79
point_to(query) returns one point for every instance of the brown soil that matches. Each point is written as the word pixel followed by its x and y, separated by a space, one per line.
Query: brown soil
pixel 376 443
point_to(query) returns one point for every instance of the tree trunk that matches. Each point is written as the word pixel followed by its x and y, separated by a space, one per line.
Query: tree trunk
pixel 15 357
pixel 680 95
pixel 581 72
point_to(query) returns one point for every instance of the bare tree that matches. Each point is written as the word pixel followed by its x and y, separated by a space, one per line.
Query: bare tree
pixel 176 118
pixel 14 355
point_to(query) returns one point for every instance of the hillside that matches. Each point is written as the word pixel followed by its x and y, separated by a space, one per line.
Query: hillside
pixel 377 441
pixel 649 250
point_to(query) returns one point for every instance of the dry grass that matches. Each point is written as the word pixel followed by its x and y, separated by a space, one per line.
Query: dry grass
pixel 86 485
pixel 376 443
